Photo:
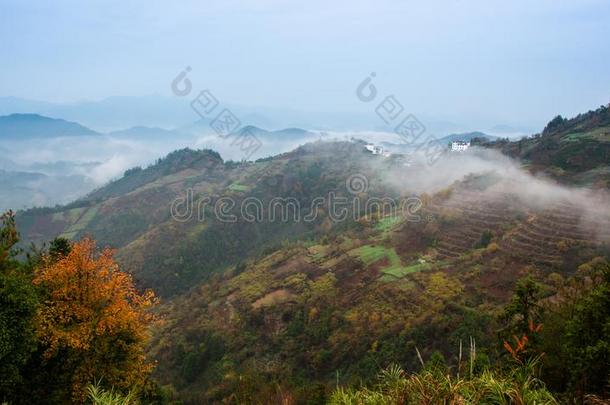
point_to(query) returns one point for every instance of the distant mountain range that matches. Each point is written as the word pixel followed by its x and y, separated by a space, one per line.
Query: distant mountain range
pixel 109 114
pixel 25 126
pixel 119 112
pixel 122 149
pixel 105 156
pixel 143 131
pixel 40 171
pixel 279 135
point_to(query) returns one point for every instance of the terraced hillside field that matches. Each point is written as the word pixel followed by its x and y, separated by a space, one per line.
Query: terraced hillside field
pixel 548 236
pixel 376 291
pixel 467 215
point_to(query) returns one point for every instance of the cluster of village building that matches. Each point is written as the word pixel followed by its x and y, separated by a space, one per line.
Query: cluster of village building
pixel 456 146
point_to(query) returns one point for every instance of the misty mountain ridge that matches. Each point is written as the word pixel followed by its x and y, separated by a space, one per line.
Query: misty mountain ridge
pixel 144 131
pixel 116 113
pixel 118 151
pixel 23 126
pixel 274 134
pixel 29 125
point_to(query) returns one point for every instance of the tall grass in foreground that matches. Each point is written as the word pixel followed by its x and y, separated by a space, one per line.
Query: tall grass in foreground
pixel 99 396
pixel 433 386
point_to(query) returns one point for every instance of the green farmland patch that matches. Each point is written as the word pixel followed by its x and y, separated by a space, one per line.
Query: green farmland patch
pixel 239 187
pixel 370 254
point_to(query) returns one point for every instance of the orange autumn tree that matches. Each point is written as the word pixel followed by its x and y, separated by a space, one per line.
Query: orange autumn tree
pixel 93 319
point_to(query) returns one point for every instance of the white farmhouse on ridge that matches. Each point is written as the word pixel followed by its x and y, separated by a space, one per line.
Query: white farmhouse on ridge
pixel 374 149
pixel 459 146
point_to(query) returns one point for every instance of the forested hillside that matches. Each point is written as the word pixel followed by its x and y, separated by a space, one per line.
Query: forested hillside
pixel 452 279
pixel 575 150
pixel 133 214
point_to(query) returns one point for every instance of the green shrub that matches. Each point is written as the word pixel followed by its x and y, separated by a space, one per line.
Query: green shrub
pixel 433 387
pixel 100 396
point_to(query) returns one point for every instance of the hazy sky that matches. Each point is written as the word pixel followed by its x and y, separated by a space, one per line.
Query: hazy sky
pixel 502 61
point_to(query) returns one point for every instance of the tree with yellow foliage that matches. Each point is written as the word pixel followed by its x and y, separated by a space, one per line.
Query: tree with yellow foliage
pixel 92 320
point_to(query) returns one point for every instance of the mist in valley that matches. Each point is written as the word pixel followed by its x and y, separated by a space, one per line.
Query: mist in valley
pixel 37 172
pixel 78 164
pixel 508 178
